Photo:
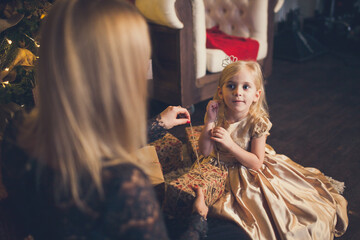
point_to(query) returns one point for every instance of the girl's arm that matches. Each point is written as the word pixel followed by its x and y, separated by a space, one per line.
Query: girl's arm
pixel 253 159
pixel 206 145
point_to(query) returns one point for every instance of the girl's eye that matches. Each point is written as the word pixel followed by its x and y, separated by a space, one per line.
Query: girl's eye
pixel 245 87
pixel 231 86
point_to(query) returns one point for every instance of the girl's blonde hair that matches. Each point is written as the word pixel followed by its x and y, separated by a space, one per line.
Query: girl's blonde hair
pixel 258 109
pixel 92 91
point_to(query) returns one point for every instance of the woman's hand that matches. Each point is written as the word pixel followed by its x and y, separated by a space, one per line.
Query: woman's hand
pixel 212 110
pixel 221 136
pixel 173 116
pixel 199 205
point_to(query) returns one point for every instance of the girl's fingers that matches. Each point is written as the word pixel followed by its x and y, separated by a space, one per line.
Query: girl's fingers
pixel 215 139
pixel 218 130
pixel 213 105
pixel 217 134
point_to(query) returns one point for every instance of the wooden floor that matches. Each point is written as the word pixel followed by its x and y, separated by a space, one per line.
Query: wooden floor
pixel 315 111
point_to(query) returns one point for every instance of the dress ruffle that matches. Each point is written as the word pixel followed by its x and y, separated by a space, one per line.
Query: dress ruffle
pixel 262 127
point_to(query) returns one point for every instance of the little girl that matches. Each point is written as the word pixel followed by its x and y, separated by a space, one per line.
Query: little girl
pixel 267 194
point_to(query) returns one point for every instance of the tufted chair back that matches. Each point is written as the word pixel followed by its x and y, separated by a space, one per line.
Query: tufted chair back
pixel 236 17
pixel 184 71
pixel 241 18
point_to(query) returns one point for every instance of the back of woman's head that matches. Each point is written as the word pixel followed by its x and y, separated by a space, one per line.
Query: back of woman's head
pixel 92 87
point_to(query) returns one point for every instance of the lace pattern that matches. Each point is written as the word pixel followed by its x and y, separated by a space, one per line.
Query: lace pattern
pixel 156 129
pixel 129 209
pixel 132 211
pixel 198 228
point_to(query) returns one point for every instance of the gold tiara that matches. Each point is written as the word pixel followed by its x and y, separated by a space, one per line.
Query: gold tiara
pixel 228 60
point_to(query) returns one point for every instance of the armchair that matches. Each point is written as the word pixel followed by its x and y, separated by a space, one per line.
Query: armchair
pixel 184 71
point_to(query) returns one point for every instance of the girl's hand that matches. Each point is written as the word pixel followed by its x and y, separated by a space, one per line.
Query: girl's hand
pixel 173 116
pixel 212 110
pixel 199 205
pixel 221 136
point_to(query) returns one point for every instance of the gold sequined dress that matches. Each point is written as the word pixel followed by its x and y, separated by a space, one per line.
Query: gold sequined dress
pixel 282 200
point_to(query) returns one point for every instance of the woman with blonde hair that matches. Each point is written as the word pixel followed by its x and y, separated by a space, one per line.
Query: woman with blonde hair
pixel 70 166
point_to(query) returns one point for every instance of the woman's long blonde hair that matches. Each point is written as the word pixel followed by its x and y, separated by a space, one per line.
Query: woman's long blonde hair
pixel 258 109
pixel 92 90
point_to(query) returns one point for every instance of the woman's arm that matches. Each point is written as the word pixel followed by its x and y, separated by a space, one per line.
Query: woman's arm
pixel 172 116
pixel 132 210
pixel 198 225
pixel 155 129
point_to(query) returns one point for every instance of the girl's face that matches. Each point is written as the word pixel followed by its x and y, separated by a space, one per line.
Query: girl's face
pixel 238 94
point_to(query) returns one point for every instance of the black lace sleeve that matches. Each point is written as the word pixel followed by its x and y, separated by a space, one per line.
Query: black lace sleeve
pixel 155 129
pixel 129 210
pixel 197 229
pixel 132 211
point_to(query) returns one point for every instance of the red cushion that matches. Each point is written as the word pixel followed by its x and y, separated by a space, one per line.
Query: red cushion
pixel 242 48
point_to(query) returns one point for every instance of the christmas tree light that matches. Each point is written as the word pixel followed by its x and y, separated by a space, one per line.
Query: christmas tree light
pixel 19 26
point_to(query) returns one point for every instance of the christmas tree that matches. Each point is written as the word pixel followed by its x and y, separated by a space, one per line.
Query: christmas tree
pixel 19 42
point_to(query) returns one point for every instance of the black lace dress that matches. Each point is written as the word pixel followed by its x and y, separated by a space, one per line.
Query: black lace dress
pixel 129 209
